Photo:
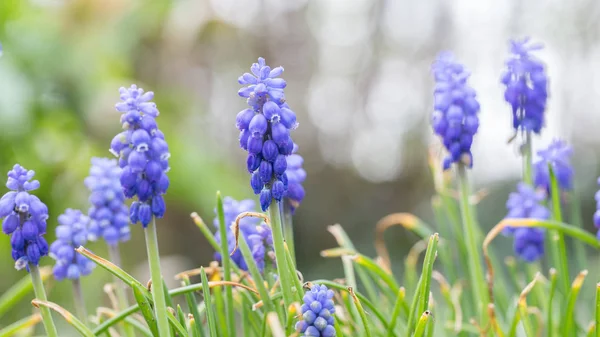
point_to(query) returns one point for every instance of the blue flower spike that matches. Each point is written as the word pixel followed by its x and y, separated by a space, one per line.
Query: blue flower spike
pixel 296 176
pixel 71 233
pixel 526 203
pixel 265 131
pixel 558 155
pixel 526 85
pixel 108 213
pixel 455 117
pixel 143 155
pixel 317 313
pixel 24 218
pixel 257 233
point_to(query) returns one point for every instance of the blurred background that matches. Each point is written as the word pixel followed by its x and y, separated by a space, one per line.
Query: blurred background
pixel 358 74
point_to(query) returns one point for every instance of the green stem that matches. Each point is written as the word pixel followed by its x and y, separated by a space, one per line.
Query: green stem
pixel 158 295
pixel 597 315
pixel 40 293
pixel 527 173
pixel 226 261
pixel 282 267
pixel 115 257
pixel 476 274
pixel 79 301
pixel 557 238
pixel 288 230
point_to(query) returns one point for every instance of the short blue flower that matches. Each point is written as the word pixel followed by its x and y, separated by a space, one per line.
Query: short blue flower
pixel 265 131
pixel 455 117
pixel 526 86
pixel 317 313
pixel 257 234
pixel 558 155
pixel 71 233
pixel 526 203
pixel 597 213
pixel 109 214
pixel 143 155
pixel 24 218
pixel 296 176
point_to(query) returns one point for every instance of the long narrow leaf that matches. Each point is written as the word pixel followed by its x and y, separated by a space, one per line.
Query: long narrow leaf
pixel 69 317
pixel 145 307
pixel 212 324
pixel 18 326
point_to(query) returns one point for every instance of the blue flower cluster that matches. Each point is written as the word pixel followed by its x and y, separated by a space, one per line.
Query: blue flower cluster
pixel 265 131
pixel 597 213
pixel 558 155
pixel 143 155
pixel 317 313
pixel 71 233
pixel 24 217
pixel 526 86
pixel 527 203
pixel 455 117
pixel 257 234
pixel 296 176
pixel 108 213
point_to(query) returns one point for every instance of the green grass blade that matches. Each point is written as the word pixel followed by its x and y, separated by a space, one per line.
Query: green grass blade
pixel 145 306
pixel 283 271
pixel 550 307
pixel 597 314
pixel 21 289
pixel 361 312
pixel 430 256
pixel 20 325
pixel 557 240
pixel 175 324
pixel 212 324
pixel 255 273
pixel 226 261
pixel 208 234
pixel 297 290
pixel 69 317
pixel 181 316
pixel 421 324
pixel 398 306
pixel 567 323
pixel 378 271
pixel 193 308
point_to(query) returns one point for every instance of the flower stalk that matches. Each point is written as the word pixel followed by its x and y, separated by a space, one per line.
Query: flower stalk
pixel 282 267
pixel 158 295
pixel 40 293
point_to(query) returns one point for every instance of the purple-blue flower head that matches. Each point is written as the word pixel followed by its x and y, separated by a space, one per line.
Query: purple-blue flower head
pixel 558 155
pixel 296 176
pixel 24 218
pixel 526 203
pixel 597 213
pixel 257 234
pixel 526 86
pixel 455 117
pixel 265 131
pixel 71 233
pixel 108 213
pixel 143 155
pixel 317 313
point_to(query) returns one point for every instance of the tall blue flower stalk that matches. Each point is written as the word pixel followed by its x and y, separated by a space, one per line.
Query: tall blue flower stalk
pixel 455 120
pixel 144 157
pixel 526 203
pixel 456 107
pixel 24 219
pixel 317 313
pixel 255 232
pixel 526 86
pixel 558 156
pixel 265 133
pixel 71 233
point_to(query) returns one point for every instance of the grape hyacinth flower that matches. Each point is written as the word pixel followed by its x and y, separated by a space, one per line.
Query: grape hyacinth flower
pixel 265 131
pixel 597 213
pixel 296 176
pixel 143 155
pixel 108 213
pixel 257 234
pixel 24 218
pixel 527 203
pixel 558 155
pixel 455 117
pixel 317 313
pixel 526 86
pixel 71 233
